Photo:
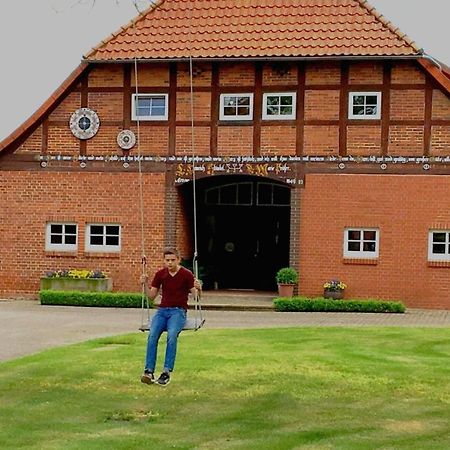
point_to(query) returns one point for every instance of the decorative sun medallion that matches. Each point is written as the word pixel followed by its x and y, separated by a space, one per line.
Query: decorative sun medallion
pixel 84 123
pixel 126 139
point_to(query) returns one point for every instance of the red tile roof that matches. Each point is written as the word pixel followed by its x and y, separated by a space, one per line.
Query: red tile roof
pixel 177 29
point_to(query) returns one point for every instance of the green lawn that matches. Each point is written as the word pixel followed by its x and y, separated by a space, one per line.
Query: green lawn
pixel 298 388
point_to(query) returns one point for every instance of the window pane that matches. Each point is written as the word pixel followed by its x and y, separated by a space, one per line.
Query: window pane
pixel 439 248
pixel 56 239
pixel 371 110
pixel 112 229
pixel 272 110
pixel 244 101
pixel 228 111
pixel 272 100
pixel 96 229
pixel 281 195
pixel 286 100
pixel 229 101
pixel 71 229
pixel 112 240
pixel 158 111
pixel 144 102
pixel 56 229
pixel 228 195
pixel 286 110
pixel 353 246
pixel 243 111
pixel 439 237
pixel 358 110
pixel 369 246
pixel 264 194
pixel 212 196
pixel 96 240
pixel 371 100
pixel 358 100
pixel 70 239
pixel 245 194
pixel 354 235
pixel 370 235
pixel 158 101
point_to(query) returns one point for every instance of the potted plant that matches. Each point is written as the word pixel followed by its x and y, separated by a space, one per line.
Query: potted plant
pixel 76 280
pixel 287 278
pixel 334 289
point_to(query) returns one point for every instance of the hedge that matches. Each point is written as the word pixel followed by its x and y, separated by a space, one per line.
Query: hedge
pixel 327 305
pixel 103 299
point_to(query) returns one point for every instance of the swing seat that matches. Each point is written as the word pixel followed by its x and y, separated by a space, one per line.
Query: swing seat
pixel 192 323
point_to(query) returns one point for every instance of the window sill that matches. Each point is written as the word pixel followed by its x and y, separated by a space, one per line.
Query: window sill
pixel 438 263
pixel 60 254
pixel 362 261
pixel 109 255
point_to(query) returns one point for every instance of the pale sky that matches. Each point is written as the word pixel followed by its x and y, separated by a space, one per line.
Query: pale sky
pixel 42 41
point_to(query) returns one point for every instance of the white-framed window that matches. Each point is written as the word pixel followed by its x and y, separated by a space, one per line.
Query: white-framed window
pixel 102 237
pixel 364 105
pixel 279 105
pixel 439 245
pixel 236 107
pixel 150 107
pixel 61 237
pixel 361 243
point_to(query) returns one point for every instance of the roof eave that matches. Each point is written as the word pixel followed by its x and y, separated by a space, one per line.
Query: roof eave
pixel 258 58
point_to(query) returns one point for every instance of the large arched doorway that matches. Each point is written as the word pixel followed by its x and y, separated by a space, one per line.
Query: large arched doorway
pixel 243 230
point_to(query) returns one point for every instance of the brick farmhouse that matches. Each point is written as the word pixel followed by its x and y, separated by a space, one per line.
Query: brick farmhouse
pixel 319 135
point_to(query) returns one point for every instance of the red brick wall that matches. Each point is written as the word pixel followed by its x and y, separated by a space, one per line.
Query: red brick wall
pixel 330 203
pixel 30 199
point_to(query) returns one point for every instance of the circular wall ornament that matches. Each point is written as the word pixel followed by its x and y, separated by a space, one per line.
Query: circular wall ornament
pixel 126 139
pixel 84 123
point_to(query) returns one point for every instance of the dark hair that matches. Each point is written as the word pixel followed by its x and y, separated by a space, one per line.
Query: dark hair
pixel 171 251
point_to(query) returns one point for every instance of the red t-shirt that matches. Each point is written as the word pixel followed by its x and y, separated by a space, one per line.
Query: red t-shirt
pixel 175 288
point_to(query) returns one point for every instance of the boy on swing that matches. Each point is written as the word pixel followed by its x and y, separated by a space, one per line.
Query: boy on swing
pixel 175 282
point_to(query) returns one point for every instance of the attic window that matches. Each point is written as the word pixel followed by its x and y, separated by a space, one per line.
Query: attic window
pixel 149 107
pixel 279 106
pixel 236 106
pixel 364 105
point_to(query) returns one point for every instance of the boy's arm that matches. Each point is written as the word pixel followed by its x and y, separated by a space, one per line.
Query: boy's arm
pixel 150 292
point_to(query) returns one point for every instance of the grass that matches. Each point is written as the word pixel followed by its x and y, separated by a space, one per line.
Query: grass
pixel 298 388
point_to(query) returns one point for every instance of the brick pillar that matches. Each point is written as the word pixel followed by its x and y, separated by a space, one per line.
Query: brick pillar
pixel 170 209
pixel 294 241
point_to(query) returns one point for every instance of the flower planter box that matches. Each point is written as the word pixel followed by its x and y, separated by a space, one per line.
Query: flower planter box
pixel 76 284
pixel 336 295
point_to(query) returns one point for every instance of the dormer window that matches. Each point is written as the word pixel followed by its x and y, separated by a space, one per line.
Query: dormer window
pixel 364 105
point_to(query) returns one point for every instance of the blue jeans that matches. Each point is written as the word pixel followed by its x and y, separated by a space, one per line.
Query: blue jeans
pixel 165 319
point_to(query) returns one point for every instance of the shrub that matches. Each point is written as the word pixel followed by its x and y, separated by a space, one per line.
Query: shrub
pixel 103 299
pixel 324 305
pixel 287 275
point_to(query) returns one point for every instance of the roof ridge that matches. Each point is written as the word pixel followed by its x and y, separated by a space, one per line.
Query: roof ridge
pixel 133 22
pixel 388 24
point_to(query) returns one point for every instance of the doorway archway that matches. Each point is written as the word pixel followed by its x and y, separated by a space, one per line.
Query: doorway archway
pixel 243 230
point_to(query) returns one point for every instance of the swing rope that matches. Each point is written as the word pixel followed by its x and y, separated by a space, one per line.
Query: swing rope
pixel 144 300
pixel 195 324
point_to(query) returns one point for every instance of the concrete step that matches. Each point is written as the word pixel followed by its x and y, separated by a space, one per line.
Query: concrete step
pixel 236 300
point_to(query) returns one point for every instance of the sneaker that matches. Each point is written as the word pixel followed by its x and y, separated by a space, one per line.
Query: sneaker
pixel 164 379
pixel 148 377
